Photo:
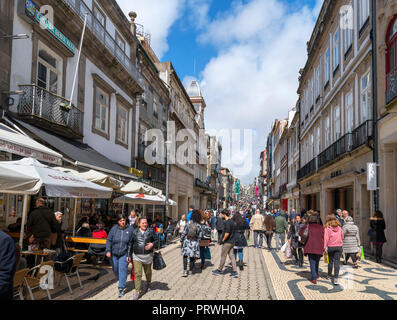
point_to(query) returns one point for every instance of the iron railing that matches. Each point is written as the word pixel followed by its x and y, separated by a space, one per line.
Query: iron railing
pixel 309 168
pixel 94 25
pixel 43 104
pixel 362 134
pixel 391 86
pixel 337 149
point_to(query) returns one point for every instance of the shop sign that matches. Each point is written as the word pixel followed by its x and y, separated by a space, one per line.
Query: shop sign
pixel 372 176
pixel 33 12
pixel 137 173
pixel 26 152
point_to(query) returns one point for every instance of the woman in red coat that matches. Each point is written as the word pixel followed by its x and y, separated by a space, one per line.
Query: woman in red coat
pixel 314 246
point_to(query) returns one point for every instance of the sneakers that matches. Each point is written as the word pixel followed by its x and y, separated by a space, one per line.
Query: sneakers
pixel 184 274
pixel 148 288
pixel 190 272
pixel 216 272
pixel 314 281
pixel 234 275
pixel 122 292
pixel 136 296
pixel 335 282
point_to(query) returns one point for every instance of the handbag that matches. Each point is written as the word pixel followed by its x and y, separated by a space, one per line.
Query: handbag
pixel 288 252
pixel 158 261
pixel 132 271
pixel 284 247
pixel 303 239
pixel 207 253
pixel 362 253
pixel 326 257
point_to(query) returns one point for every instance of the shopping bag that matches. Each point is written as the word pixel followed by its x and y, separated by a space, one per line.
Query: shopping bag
pixel 284 247
pixel 326 257
pixel 214 235
pixel 132 272
pixel 362 253
pixel 288 252
pixel 158 261
pixel 207 253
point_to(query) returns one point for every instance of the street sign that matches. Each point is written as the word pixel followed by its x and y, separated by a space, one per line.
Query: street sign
pixel 371 176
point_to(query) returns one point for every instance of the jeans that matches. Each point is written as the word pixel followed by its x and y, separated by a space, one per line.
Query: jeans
pixel 314 260
pixel 278 237
pixel 227 250
pixel 334 254
pixel 240 254
pixel 202 255
pixel 120 267
pixel 256 233
pixel 269 240
pixel 138 266
pixel 378 251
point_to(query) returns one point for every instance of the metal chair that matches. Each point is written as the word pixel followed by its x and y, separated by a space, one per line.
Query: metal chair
pixel 73 270
pixel 33 280
pixel 19 280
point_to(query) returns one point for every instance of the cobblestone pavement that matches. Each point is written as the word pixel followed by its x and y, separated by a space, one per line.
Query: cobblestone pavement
pixel 371 281
pixel 266 275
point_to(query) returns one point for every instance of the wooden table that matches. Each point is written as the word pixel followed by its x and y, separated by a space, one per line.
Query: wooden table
pixel 38 253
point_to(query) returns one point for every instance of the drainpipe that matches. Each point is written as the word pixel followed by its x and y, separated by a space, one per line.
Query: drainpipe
pixel 375 102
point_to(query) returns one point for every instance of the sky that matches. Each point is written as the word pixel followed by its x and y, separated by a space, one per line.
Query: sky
pixel 246 55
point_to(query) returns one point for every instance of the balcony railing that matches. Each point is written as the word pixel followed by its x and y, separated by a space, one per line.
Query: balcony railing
pixel 283 188
pixel 94 25
pixel 309 168
pixel 362 134
pixel 339 148
pixel 37 104
pixel 391 86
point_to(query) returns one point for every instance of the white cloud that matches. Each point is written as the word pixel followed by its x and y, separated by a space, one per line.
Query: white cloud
pixel 157 16
pixel 254 78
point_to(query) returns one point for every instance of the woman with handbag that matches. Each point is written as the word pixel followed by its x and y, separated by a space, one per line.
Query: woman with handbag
pixel 312 237
pixel 351 241
pixel 206 239
pixel 241 241
pixel 293 238
pixel 141 252
pixel 378 237
pixel 270 225
pixel 333 245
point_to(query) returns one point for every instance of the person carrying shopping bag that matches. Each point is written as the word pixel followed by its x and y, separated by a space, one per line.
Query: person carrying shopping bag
pixel 333 245
pixel 240 240
pixel 293 238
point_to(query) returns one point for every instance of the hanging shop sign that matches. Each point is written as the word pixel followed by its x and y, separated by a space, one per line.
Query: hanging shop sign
pixel 30 12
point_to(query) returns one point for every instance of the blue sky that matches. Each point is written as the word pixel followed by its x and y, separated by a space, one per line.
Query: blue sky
pixel 242 52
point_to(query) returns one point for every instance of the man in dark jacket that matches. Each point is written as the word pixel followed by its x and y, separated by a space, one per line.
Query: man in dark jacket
pixel 140 250
pixel 42 223
pixel 220 226
pixel 8 264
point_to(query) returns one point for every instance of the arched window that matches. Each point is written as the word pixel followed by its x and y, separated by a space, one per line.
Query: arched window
pixel 391 60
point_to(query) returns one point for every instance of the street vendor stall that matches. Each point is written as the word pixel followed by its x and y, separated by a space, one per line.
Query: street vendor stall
pixel 29 175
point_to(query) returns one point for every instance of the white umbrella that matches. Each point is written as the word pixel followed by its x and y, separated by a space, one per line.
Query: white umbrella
pixel 136 187
pixel 57 183
pixel 96 177
pixel 138 198
pixel 12 181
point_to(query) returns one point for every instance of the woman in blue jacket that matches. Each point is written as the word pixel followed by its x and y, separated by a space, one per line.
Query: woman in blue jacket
pixel 116 250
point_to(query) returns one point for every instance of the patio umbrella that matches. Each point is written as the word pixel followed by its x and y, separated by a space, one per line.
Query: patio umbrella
pixel 12 181
pixel 137 198
pixel 57 183
pixel 136 187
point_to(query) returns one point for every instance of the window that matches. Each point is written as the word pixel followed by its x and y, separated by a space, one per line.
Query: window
pixel 327 132
pixel 347 40
pixel 317 85
pixel 336 50
pixel 122 124
pixel 101 110
pixel 317 141
pixel 49 70
pixel 326 67
pixel 364 12
pixel 337 128
pixel 99 23
pixel 349 112
pixel 120 42
pixel 365 98
pixel 391 62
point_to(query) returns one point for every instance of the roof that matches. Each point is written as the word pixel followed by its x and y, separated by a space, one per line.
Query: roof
pixel 194 89
pixel 77 151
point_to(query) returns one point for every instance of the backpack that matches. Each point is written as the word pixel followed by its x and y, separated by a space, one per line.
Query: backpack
pixel 192 231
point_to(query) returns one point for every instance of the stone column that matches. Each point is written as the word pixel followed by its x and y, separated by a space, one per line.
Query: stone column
pixel 342 199
pixel 304 202
pixel 313 201
pixel 330 201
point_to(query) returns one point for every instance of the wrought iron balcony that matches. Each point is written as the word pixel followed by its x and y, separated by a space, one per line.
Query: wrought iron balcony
pixel 391 86
pixel 308 169
pixel 362 134
pixel 94 25
pixel 41 107
pixel 336 150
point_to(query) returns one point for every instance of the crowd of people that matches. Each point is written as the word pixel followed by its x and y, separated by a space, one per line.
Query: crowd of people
pixel 133 239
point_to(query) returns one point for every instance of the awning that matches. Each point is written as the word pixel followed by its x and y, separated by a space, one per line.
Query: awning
pixel 12 181
pixel 141 188
pixel 81 153
pixel 14 142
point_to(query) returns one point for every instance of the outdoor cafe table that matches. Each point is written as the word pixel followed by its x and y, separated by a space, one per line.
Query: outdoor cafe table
pixel 39 253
